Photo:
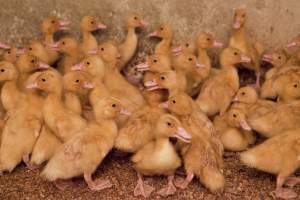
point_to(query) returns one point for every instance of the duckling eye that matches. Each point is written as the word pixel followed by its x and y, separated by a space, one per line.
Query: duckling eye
pixel 113 105
pixel 161 28
pixel 295 85
pixel 162 78
pixel 243 15
pixel 135 69
pixel 30 49
pixel 155 61
pixel 243 93
pixel 234 115
pixel 88 63
pixel 77 81
pixel 52 21
pixel 135 18
pixel 102 49
pixel 190 59
pixel 235 53
pixel 32 61
pixel 8 52
pixel 279 57
pixel 187 44
pixel 169 124
pixel 63 43
pixel 2 70
pixel 44 80
pixel 92 22
pixel 174 101
pixel 208 39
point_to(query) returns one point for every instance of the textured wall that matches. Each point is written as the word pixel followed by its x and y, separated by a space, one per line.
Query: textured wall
pixel 271 21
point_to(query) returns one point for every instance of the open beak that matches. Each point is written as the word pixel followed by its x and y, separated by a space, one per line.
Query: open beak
pixel 268 58
pixel 124 111
pixel 4 46
pixel 164 105
pixel 236 25
pixel 93 52
pixel 20 52
pixel 88 85
pixel 177 50
pixel 217 44
pixel 32 85
pixel 77 67
pixel 144 23
pixel 42 65
pixel 198 65
pixel 54 46
pixel 245 59
pixel 183 135
pixel 64 25
pixel 245 125
pixel 153 34
pixel 142 67
pixel 101 26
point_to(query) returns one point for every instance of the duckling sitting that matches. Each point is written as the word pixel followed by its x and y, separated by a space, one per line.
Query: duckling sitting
pixel 236 134
pixel 278 155
pixel 240 41
pixel 203 156
pixel 129 46
pixel 159 157
pixel 217 92
pixel 63 122
pixel 295 58
pixel 82 154
pixel 164 32
pixel 89 43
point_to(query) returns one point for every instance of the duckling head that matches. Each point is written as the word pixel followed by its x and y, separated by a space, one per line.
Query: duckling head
pixel 186 61
pixel 90 23
pixel 186 46
pixel 65 45
pixel 246 94
pixel 163 80
pixel 29 63
pixel 109 108
pixel 135 21
pixel 277 58
pixel 287 87
pixel 206 40
pixel 7 71
pixel 53 24
pixel 79 82
pixel 92 65
pixel 169 126
pixel 155 63
pixel 162 31
pixel 239 18
pixel 109 52
pixel 12 54
pixel 237 118
pixel 179 104
pixel 232 56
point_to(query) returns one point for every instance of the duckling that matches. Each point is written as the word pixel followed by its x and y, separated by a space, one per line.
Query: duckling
pixel 63 122
pixel 159 157
pixel 236 134
pixel 164 32
pixel 89 43
pixel 240 41
pixel 49 26
pixel 217 91
pixel 280 156
pixel 37 49
pixel 277 59
pixel 82 154
pixel 203 156
pixel 295 59
pixel 129 46
pixel 12 54
pixel 187 46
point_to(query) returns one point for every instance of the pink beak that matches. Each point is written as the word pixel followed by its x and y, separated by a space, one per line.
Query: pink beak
pixel 150 83
pixel 77 67
pixel 153 34
pixel 235 99
pixel 43 65
pixel 101 26
pixel 245 125
pixel 4 46
pixel 236 24
pixel 177 50
pixel 144 23
pixel 292 44
pixel 217 44
pixel 88 85
pixel 93 52
pixel 268 57
pixel 164 105
pixel 20 52
pixel 64 25
pixel 245 59
pixel 54 46
pixel 183 135
pixel 32 86
pixel 142 67
pixel 198 65
pixel 125 112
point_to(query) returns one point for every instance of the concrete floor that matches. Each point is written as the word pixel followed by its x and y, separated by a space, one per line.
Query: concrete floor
pixel 272 22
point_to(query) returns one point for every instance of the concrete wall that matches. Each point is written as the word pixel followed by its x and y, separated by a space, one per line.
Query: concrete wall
pixel 272 21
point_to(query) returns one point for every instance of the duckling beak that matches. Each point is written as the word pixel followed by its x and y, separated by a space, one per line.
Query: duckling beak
pixel 292 44
pixel 20 52
pixel 183 135
pixel 177 50
pixel 235 99
pixel 164 105
pixel 4 46
pixel 245 125
pixel 77 67
pixel 93 52
pixel 153 34
pixel 217 44
pixel 64 25
pixel 54 46
pixel 33 85
pixel 245 59
pixel 152 85
pixel 268 58
pixel 124 111
pixel 144 23
pixel 101 26
pixel 236 25
pixel 142 67
pixel 198 65
pixel 88 85
pixel 42 65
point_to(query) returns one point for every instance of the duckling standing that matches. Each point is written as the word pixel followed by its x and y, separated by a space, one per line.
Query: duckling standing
pixel 164 32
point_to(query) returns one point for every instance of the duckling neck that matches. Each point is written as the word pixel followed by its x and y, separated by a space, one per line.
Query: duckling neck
pixel 49 38
pixel 131 36
pixel 163 46
pixel 203 57
pixel 161 141
pixel 111 129
pixel 239 33
pixel 89 39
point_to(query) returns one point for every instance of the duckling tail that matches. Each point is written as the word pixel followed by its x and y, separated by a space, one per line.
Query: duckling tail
pixel 212 179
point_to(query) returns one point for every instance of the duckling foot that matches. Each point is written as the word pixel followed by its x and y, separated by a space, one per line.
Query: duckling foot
pixel 285 193
pixel 170 189
pixel 292 181
pixel 98 184
pixel 183 183
pixel 29 165
pixel 142 189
